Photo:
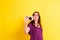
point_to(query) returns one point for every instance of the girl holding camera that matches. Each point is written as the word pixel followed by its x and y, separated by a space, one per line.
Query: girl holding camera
pixel 34 28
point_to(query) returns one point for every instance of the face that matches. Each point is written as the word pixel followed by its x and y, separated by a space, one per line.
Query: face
pixel 35 16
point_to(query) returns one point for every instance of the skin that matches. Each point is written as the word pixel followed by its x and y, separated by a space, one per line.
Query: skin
pixel 35 18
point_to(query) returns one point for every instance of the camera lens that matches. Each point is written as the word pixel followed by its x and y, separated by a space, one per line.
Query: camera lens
pixel 30 18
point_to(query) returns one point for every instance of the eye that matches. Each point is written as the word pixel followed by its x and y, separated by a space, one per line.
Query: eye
pixel 37 15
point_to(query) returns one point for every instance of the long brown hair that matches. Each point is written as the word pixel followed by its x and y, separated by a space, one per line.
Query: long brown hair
pixel 39 20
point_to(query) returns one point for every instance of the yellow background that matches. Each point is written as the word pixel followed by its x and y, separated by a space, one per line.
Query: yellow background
pixel 12 13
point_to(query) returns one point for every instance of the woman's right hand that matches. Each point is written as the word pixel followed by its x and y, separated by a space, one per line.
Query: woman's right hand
pixel 26 19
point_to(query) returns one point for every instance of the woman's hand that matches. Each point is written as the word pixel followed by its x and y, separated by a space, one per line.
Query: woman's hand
pixel 26 19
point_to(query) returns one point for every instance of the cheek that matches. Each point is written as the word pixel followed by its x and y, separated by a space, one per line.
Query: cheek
pixel 34 18
pixel 37 17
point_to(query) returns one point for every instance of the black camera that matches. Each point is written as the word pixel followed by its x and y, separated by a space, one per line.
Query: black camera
pixel 30 18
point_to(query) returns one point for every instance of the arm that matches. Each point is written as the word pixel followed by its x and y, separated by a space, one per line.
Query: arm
pixel 26 28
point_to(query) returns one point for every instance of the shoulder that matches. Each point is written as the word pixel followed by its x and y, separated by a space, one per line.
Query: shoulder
pixel 30 24
pixel 41 27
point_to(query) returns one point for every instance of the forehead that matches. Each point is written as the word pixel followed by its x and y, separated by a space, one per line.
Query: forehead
pixel 35 13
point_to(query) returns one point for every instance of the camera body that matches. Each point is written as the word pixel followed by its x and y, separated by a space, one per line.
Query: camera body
pixel 30 18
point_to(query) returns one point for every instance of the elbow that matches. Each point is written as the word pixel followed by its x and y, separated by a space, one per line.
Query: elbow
pixel 25 32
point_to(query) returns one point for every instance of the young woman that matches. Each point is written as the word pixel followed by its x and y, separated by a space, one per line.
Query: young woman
pixel 34 28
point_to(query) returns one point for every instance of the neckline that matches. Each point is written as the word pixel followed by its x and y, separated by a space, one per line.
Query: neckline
pixel 37 27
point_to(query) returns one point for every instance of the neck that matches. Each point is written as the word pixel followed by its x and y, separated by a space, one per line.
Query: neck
pixel 36 22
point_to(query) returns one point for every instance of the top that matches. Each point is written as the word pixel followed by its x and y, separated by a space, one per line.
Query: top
pixel 35 32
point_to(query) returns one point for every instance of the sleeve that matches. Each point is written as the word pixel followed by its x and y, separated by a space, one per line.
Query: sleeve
pixel 29 25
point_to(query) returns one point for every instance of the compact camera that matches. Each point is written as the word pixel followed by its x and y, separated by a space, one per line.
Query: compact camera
pixel 30 18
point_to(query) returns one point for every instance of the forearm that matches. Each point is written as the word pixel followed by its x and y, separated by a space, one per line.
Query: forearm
pixel 26 29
